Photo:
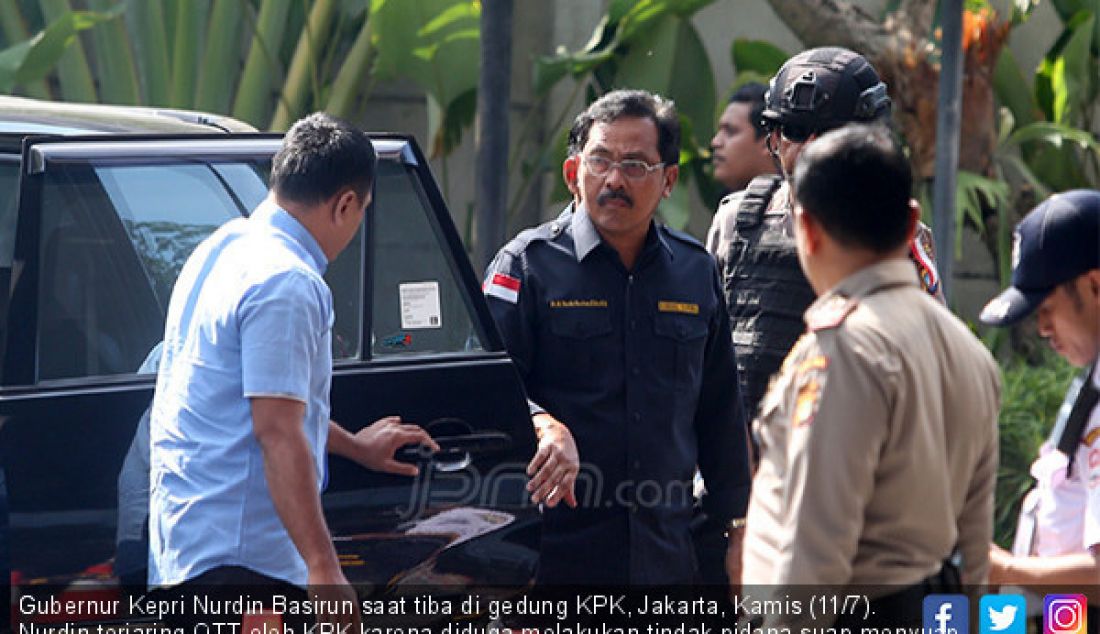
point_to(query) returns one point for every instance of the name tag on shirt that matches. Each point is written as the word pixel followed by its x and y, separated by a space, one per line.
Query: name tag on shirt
pixel 683 308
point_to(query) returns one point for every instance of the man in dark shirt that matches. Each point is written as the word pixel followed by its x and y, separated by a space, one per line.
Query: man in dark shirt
pixel 618 327
pixel 752 237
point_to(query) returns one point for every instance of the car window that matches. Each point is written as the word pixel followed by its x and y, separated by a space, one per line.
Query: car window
pixel 115 234
pixel 419 306
pixel 9 196
pixel 113 238
pixel 167 210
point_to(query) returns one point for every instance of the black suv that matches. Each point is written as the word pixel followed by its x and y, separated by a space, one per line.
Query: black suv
pixel 99 208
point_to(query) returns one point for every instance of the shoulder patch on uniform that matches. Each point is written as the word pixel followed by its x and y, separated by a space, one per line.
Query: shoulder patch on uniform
pixel 805 406
pixel 923 253
pixel 810 377
pixel 816 363
pixel 831 313
pixel 502 286
pixel 1091 437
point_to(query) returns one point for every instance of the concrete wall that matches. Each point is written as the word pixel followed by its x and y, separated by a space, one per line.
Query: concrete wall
pixel 542 26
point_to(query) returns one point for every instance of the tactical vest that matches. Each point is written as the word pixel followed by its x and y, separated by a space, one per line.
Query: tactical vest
pixel 765 289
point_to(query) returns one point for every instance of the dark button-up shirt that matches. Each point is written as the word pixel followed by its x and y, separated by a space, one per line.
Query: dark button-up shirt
pixel 639 365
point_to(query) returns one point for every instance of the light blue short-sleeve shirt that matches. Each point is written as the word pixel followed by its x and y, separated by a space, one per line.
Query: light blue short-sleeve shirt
pixel 250 316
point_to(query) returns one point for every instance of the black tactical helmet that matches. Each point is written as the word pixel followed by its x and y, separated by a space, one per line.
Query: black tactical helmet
pixel 821 89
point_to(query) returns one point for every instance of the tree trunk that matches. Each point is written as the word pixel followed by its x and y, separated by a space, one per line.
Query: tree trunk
pixel 491 131
pixel 901 50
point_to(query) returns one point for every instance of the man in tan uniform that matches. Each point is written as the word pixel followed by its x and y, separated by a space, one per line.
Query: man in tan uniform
pixel 879 435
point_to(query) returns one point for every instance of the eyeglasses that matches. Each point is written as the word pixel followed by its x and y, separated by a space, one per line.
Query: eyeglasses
pixel 631 168
pixel 795 133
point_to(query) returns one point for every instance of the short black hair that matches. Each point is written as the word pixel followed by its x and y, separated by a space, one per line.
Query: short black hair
pixel 321 155
pixel 641 104
pixel 856 182
pixel 753 93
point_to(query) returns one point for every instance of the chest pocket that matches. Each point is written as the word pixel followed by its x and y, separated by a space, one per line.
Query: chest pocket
pixel 580 343
pixel 678 353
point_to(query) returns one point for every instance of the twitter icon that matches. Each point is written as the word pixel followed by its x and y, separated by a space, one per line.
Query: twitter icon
pixel 1003 614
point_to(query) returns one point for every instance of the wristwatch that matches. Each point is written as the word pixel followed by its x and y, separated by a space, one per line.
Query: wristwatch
pixel 736 523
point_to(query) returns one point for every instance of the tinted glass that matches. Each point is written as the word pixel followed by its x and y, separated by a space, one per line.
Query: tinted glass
pixel 115 236
pixel 113 239
pixel 168 209
pixel 419 307
pixel 9 195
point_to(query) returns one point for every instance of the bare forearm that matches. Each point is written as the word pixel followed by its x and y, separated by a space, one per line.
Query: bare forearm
pixel 1078 570
pixel 289 469
pixel 340 440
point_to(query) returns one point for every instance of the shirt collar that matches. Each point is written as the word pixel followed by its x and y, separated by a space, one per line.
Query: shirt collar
pixel 586 237
pixel 884 274
pixel 280 219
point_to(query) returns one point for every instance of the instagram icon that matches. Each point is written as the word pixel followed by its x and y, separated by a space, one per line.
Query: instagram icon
pixel 1064 614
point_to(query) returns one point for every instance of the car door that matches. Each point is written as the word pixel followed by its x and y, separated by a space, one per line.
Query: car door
pixel 102 227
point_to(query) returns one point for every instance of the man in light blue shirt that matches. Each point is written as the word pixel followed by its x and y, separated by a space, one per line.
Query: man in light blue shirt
pixel 240 419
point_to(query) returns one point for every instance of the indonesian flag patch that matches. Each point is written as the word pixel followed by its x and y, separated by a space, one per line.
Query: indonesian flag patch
pixel 922 252
pixel 503 287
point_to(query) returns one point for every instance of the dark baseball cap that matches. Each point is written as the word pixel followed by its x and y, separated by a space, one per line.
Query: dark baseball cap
pixel 1056 242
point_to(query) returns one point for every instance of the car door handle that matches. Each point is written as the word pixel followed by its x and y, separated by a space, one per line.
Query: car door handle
pixel 457 449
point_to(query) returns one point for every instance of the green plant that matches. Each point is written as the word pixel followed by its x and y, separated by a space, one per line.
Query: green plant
pixel 1030 399
pixel 267 62
pixel 647 44
pixel 756 60
pixel 1048 131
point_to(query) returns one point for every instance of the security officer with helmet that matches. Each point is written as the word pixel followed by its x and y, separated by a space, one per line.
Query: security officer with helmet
pixel 751 235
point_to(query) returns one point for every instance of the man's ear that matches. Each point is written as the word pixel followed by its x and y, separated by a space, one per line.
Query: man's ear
pixel 672 174
pixel 1093 284
pixel 811 230
pixel 569 169
pixel 344 205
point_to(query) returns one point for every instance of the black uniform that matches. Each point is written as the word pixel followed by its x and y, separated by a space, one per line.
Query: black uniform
pixel 639 366
pixel 752 237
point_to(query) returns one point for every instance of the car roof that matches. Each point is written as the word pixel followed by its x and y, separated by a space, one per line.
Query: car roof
pixel 22 116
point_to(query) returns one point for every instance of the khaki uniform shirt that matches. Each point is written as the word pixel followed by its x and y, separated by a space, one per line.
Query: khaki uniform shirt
pixel 878 442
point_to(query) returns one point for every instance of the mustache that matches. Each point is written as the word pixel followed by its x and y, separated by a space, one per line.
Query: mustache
pixel 611 194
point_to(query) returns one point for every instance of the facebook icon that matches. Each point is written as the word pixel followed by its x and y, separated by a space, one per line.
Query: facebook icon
pixel 946 614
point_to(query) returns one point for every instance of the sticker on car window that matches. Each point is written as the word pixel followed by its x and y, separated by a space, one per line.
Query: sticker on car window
pixel 420 305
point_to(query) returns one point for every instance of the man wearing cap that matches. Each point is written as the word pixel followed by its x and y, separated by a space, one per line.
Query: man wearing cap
pixel 1056 273
pixel 751 237
pixel 878 438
